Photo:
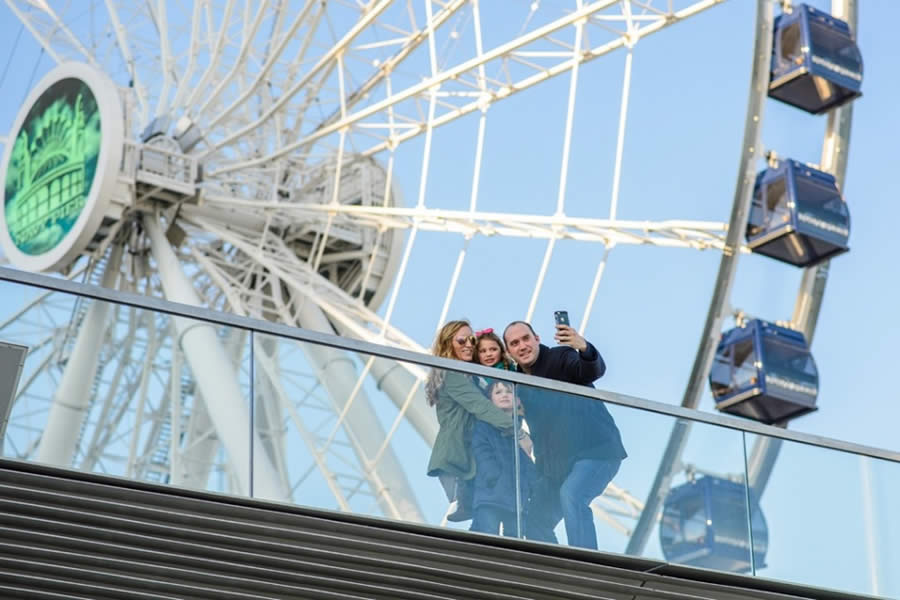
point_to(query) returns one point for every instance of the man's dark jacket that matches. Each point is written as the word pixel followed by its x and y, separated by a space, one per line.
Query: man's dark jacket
pixel 566 428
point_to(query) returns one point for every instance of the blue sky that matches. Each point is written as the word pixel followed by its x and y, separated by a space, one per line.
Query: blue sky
pixel 686 118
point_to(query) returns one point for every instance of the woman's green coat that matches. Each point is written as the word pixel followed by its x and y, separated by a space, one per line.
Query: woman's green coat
pixel 459 404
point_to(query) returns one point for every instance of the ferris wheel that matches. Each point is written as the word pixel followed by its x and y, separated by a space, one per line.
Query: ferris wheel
pixel 274 160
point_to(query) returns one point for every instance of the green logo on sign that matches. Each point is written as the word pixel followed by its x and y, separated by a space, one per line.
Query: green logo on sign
pixel 52 166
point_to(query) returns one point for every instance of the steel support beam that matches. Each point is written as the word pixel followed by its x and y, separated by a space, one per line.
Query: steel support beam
pixel 215 376
pixel 72 397
pixel 338 375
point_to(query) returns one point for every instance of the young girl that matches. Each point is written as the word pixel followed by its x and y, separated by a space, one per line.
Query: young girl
pixel 494 496
pixel 489 350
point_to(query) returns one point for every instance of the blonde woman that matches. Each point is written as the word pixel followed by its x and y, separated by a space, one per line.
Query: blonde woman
pixel 459 403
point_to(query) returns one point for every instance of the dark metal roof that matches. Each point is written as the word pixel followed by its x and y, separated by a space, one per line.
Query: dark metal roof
pixel 65 534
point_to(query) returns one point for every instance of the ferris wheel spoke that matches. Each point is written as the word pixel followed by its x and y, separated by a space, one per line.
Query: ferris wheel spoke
pixel 160 19
pixel 408 44
pixel 323 63
pixel 384 475
pixel 184 85
pixel 119 390
pixel 268 76
pixel 124 49
pixel 699 235
pixel 615 506
pixel 592 295
pixel 50 31
pixel 458 85
pixel 248 33
pixel 72 398
pixel 270 370
pixel 193 452
pixel 268 415
pixel 271 253
pixel 313 86
pixel 16 317
pixel 347 314
pixel 153 460
pixel 141 400
pixel 217 42
pixel 197 451
pixel 356 416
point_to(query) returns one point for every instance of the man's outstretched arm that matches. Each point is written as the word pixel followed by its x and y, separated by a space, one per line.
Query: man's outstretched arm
pixel 583 366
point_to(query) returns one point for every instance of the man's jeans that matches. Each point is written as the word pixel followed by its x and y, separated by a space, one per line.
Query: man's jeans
pixel 487 519
pixel 587 480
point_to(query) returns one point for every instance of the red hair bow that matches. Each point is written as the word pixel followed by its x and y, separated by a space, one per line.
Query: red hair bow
pixel 483 332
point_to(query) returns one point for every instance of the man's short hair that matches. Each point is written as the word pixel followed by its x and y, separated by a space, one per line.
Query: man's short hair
pixel 525 323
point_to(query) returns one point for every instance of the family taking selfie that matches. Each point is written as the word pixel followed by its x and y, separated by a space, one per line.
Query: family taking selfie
pixel 568 448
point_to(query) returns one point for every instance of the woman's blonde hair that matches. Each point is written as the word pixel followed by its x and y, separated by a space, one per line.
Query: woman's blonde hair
pixel 443 347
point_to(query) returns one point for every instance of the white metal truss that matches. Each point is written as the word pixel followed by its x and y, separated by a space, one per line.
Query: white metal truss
pixel 700 235
pixel 528 60
pixel 265 136
pixel 349 408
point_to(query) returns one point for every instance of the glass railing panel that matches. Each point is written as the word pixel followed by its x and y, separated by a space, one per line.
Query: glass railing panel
pixel 346 431
pixel 125 391
pixel 830 516
pixel 597 463
pixel 880 489
pixel 136 393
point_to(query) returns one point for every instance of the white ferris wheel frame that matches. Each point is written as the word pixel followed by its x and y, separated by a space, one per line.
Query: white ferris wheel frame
pixel 449 94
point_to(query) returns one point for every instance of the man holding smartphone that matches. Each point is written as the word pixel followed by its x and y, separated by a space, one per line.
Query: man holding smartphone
pixel 577 446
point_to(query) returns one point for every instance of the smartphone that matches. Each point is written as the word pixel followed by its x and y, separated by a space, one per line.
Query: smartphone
pixel 561 317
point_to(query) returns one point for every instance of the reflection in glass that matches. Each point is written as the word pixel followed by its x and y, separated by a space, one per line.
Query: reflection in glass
pixel 835 49
pixel 578 451
pixel 704 524
pixel 113 389
pixel 329 419
pixel 880 488
pixel 499 496
pixel 822 215
pixel 829 515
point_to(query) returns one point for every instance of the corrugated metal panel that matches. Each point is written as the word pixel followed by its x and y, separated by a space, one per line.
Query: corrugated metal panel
pixel 73 535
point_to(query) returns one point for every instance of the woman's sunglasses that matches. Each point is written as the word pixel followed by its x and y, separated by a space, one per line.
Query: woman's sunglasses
pixel 462 341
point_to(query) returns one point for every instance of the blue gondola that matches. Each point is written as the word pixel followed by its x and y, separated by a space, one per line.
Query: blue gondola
pixel 816 64
pixel 798 215
pixel 765 372
pixel 704 524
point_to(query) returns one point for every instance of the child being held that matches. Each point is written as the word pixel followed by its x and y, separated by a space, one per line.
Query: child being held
pixel 494 496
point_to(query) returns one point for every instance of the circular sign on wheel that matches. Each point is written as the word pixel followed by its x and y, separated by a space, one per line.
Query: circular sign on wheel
pixel 60 167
